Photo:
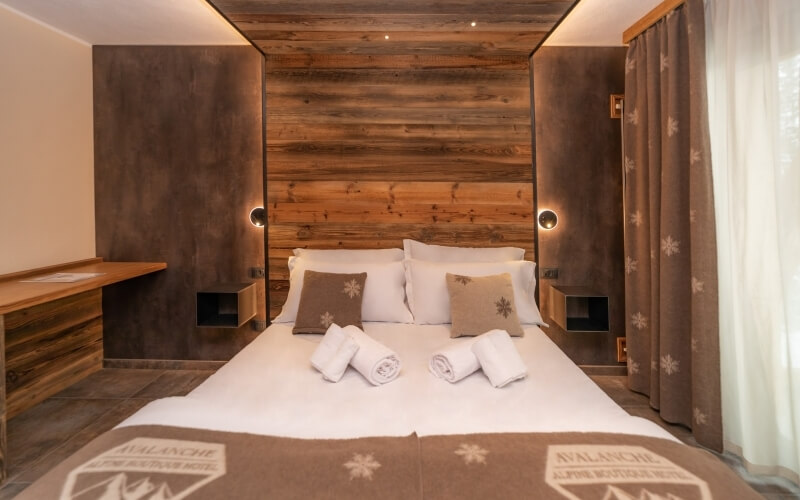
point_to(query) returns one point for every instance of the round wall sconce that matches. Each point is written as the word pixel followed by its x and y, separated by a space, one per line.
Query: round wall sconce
pixel 548 219
pixel 258 217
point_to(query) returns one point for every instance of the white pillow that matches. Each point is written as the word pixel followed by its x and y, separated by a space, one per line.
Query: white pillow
pixel 426 287
pixel 384 295
pixel 342 255
pixel 438 253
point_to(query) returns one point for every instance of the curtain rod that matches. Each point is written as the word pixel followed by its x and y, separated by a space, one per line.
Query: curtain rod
pixel 650 19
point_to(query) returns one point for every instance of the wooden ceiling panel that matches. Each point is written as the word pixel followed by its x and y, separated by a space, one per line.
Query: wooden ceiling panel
pixel 424 27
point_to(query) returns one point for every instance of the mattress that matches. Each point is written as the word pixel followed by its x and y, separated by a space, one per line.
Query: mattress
pixel 270 388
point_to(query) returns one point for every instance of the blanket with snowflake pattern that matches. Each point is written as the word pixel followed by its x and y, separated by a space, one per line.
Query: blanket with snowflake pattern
pixel 160 462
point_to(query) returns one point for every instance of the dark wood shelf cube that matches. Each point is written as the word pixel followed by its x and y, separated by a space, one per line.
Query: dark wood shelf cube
pixel 579 309
pixel 226 305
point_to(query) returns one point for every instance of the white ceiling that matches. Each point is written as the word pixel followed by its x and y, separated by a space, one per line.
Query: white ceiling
pixel 132 22
pixel 194 22
pixel 599 23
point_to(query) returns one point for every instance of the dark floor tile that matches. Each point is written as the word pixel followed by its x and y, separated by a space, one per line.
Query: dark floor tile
pixel 39 430
pixel 110 383
pixel 10 490
pixel 678 431
pixel 174 383
pixel 108 421
pixel 617 389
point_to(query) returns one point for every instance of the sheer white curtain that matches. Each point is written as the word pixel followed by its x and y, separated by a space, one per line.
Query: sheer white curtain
pixel 753 61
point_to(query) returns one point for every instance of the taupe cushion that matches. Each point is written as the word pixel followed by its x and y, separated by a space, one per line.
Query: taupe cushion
pixel 480 304
pixel 329 298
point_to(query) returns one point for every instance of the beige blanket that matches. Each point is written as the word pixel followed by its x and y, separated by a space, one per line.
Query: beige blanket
pixel 157 462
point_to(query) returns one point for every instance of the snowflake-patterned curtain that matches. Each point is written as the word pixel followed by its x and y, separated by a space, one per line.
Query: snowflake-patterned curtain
pixel 670 244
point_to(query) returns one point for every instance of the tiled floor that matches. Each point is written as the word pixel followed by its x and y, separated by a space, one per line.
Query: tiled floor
pixel 46 434
pixel 637 404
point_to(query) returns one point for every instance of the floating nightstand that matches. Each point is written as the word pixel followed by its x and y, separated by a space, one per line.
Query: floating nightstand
pixel 226 305
pixel 579 308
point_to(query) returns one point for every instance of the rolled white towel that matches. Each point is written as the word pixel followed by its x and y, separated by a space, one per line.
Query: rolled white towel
pixel 376 362
pixel 334 353
pixel 499 358
pixel 454 361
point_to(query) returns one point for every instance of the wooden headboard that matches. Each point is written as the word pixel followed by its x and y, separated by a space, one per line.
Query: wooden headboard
pixel 363 151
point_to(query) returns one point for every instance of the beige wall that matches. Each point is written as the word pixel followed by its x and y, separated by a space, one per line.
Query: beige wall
pixel 46 146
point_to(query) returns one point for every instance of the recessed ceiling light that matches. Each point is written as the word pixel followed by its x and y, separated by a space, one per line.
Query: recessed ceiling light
pixel 386 37
pixel 473 24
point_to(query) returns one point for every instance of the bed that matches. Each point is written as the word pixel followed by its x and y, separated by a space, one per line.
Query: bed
pixel 267 425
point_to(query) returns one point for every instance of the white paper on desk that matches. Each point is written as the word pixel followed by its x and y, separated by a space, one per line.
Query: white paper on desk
pixel 62 278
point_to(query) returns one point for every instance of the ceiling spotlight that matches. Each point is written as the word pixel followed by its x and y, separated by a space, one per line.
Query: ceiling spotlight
pixel 386 37
pixel 473 24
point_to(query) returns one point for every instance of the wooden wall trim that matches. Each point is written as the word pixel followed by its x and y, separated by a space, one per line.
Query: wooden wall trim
pixel 650 19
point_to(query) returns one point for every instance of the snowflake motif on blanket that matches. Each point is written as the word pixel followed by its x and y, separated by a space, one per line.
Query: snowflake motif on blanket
pixel 472 453
pixel 362 466
pixel 503 307
pixel 463 279
pixel 351 289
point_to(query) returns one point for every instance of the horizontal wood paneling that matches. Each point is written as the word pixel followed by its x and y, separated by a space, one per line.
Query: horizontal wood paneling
pixel 496 8
pixel 364 151
pixel 502 27
pixel 51 346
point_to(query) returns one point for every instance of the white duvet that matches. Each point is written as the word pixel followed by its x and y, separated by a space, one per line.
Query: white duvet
pixel 270 388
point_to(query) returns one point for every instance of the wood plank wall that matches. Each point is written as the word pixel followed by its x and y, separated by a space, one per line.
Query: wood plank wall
pixel 364 150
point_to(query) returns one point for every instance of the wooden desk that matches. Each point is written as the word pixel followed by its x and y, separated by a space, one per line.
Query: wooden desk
pixel 51 334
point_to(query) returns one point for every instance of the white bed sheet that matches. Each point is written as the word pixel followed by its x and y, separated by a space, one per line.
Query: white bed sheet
pixel 270 388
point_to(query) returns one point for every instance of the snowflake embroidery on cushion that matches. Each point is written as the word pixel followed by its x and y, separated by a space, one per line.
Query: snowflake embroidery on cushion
pixel 352 288
pixel 672 126
pixel 663 62
pixel 630 265
pixel 697 286
pixel 669 364
pixel 629 165
pixel 362 466
pixel 699 417
pixel 694 345
pixel 503 307
pixel 694 156
pixel 463 279
pixel 326 319
pixel 633 117
pixel 630 65
pixel 636 218
pixel 472 453
pixel 692 216
pixel 633 366
pixel 639 320
pixel 669 246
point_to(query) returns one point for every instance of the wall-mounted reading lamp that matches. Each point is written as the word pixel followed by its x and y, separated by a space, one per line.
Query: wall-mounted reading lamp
pixel 548 219
pixel 258 217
